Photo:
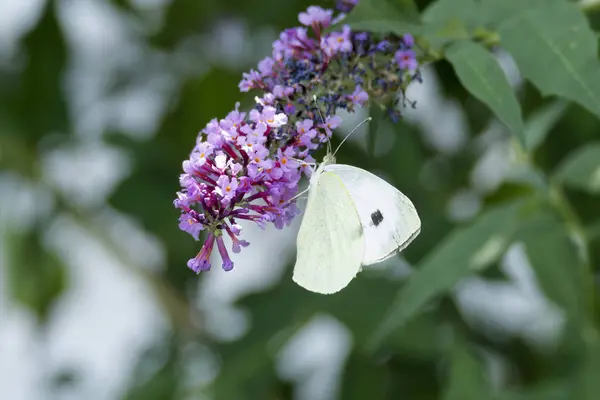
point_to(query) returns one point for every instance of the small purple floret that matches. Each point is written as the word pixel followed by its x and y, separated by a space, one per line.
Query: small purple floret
pixel 406 60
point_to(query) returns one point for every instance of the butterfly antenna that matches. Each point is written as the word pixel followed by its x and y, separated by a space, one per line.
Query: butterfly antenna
pixel 322 120
pixel 348 135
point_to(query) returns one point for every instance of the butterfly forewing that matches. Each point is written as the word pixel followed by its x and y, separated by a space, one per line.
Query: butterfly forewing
pixel 330 242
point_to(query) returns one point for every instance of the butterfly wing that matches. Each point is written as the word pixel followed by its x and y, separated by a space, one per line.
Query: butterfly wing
pixel 330 242
pixel 389 219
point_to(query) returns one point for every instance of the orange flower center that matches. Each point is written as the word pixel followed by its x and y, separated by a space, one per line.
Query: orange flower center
pixel 228 189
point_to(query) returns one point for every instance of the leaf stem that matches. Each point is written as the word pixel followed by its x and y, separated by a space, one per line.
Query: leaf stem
pixel 575 228
pixel 581 239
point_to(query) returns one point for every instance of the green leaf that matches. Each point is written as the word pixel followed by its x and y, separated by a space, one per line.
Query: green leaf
pixel 481 75
pixel 540 123
pixel 556 50
pixel 40 103
pixel 527 175
pixel 164 378
pixel 467 380
pixel 554 258
pixel 446 20
pixel 581 168
pixel 445 10
pixel 384 16
pixel 492 13
pixel 419 337
pixel 465 251
pixel 245 362
pixel 553 390
pixel 37 276
pixel 363 379
pixel 478 14
pixel 586 385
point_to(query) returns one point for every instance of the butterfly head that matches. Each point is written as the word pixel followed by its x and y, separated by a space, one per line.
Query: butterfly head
pixel 328 159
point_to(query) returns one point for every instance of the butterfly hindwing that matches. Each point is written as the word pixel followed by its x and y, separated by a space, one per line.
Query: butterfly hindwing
pixel 388 218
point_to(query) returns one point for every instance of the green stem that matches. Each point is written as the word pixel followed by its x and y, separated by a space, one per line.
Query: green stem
pixel 574 226
pixel 486 37
pixel 580 236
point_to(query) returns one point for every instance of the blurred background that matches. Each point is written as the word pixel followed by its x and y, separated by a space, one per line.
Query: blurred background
pixel 101 101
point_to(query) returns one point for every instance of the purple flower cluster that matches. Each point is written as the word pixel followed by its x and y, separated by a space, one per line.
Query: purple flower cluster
pixel 247 166
pixel 344 69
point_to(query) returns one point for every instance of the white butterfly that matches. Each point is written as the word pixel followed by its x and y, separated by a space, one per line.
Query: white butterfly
pixel 352 218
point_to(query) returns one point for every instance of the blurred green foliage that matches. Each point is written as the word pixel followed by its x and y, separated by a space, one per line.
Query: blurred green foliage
pixel 410 339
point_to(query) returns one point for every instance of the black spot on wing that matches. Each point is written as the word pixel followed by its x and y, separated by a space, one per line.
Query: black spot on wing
pixel 376 217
